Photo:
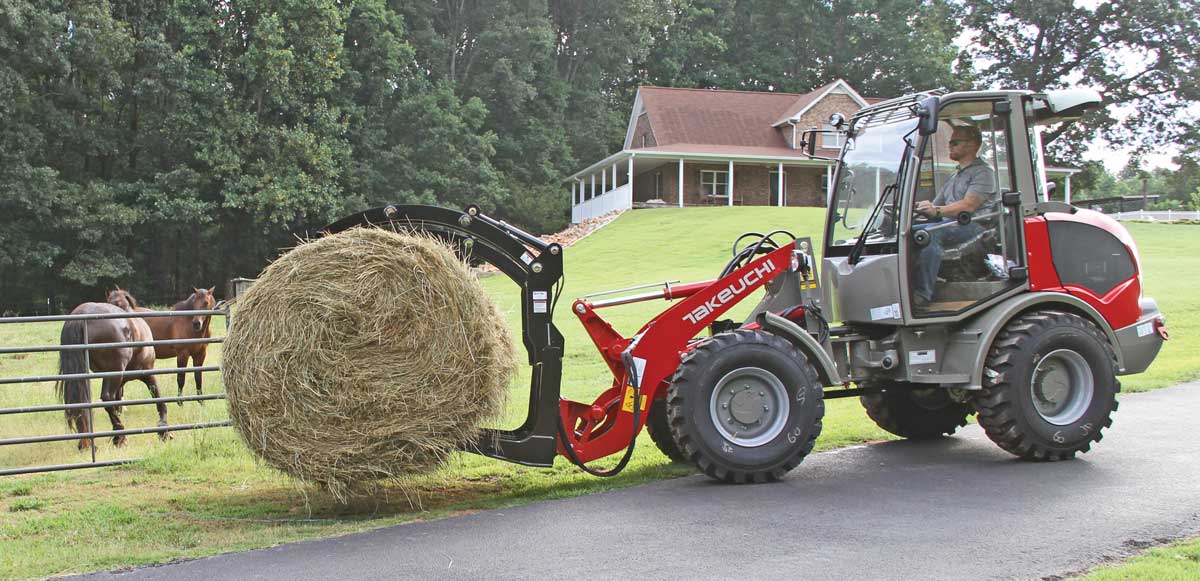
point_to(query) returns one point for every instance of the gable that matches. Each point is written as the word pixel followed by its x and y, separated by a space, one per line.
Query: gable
pixel 810 100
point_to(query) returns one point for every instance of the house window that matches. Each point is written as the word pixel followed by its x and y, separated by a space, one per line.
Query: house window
pixel 714 184
pixel 830 137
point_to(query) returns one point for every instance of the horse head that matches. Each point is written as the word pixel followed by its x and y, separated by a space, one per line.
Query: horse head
pixel 201 300
pixel 121 299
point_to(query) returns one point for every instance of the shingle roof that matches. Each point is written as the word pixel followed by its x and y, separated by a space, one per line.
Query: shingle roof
pixel 717 121
pixel 714 117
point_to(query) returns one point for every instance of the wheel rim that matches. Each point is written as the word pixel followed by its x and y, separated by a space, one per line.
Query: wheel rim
pixel 749 406
pixel 1062 387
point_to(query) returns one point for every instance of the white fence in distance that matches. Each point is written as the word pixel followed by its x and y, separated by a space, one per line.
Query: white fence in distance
pixel 616 199
pixel 1158 215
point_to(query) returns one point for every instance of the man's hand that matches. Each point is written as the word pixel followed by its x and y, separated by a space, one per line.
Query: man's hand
pixel 926 208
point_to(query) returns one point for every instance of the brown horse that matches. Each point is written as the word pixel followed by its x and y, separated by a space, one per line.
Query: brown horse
pixel 117 359
pixel 187 327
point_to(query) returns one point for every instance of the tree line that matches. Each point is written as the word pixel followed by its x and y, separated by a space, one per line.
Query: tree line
pixel 161 145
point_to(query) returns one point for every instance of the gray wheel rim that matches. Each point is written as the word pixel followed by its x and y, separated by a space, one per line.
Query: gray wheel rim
pixel 1062 387
pixel 749 406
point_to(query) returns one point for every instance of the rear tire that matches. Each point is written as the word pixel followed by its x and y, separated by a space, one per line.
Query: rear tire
pixel 745 406
pixel 917 413
pixel 659 428
pixel 1050 386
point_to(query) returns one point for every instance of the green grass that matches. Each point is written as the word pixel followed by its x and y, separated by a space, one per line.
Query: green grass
pixel 202 492
pixel 1178 561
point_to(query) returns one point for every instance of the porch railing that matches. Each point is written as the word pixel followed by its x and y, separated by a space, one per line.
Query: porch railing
pixel 620 198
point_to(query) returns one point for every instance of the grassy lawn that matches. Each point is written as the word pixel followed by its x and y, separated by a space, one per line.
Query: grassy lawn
pixel 1175 562
pixel 202 492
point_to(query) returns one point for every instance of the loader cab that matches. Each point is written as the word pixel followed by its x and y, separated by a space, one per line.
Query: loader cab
pixel 890 259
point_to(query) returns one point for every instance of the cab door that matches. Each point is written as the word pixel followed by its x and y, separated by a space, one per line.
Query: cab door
pixel 964 246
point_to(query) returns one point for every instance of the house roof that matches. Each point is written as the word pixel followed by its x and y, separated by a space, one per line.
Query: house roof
pixel 715 117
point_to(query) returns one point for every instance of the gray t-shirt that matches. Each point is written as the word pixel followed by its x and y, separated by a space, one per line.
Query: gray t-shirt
pixel 976 177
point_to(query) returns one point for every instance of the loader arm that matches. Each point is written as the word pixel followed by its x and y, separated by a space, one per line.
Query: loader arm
pixel 536 267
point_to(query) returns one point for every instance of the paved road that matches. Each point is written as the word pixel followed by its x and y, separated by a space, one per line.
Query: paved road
pixel 954 509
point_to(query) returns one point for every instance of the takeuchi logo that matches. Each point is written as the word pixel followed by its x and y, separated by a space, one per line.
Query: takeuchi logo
pixel 735 288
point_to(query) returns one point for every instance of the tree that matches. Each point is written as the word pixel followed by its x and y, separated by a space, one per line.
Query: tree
pixel 1139 53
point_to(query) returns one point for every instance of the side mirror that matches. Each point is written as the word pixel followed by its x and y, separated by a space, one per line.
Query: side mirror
pixel 808 142
pixel 927 112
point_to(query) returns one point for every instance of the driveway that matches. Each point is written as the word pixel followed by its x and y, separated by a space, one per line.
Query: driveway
pixel 951 509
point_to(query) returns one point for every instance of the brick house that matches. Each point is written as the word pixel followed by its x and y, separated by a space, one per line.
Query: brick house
pixel 698 147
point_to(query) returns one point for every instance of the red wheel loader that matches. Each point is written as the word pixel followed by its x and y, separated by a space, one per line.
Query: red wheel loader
pixel 1018 309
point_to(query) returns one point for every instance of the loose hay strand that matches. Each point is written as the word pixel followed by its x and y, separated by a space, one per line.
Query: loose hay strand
pixel 363 356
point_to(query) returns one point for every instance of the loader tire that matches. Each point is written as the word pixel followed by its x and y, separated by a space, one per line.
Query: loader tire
pixel 745 406
pixel 659 428
pixel 914 412
pixel 1049 387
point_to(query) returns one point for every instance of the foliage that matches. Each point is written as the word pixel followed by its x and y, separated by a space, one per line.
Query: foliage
pixel 162 146
pixel 1139 53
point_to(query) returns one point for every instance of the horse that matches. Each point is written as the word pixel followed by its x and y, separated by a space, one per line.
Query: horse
pixel 163 328
pixel 116 359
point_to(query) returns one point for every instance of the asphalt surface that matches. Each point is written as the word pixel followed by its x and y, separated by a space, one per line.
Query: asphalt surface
pixel 953 509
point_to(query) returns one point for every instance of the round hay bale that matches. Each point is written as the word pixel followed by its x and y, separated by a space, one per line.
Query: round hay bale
pixel 362 356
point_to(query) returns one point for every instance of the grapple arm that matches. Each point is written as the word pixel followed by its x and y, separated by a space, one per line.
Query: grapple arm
pixel 537 268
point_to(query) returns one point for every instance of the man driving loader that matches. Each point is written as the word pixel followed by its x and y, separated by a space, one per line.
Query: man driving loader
pixel 968 189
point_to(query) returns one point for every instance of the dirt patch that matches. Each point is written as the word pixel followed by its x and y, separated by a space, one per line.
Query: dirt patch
pixel 568 237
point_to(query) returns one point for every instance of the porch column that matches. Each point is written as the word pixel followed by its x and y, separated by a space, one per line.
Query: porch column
pixel 828 185
pixel 1067 184
pixel 615 164
pixel 593 187
pixel 603 181
pixel 629 175
pixel 729 184
pixel 681 182
pixel 573 192
pixel 781 192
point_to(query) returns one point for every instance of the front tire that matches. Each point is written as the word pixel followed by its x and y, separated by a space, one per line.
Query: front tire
pixel 745 406
pixel 659 428
pixel 1050 386
pixel 914 412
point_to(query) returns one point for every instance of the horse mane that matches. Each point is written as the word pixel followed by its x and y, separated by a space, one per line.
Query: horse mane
pixel 133 304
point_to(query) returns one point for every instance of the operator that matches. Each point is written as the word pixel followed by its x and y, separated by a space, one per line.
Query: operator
pixel 967 190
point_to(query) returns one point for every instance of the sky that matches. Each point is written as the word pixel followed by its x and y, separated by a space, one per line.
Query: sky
pixel 1114 157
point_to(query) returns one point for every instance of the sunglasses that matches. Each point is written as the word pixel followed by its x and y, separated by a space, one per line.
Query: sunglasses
pixel 954 142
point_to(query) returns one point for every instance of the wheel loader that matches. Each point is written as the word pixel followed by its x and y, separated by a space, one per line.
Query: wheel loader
pixel 1021 310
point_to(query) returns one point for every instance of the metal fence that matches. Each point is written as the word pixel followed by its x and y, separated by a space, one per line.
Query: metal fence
pixel 87 348
pixel 1158 215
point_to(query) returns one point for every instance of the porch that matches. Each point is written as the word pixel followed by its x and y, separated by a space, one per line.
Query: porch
pixel 682 179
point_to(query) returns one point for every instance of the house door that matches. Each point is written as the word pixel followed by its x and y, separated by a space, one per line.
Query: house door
pixel 774 179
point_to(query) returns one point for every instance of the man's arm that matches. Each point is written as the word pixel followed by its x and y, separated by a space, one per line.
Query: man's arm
pixel 975 198
pixel 970 203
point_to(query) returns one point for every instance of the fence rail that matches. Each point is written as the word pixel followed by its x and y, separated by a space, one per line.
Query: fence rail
pixel 1158 215
pixel 87 349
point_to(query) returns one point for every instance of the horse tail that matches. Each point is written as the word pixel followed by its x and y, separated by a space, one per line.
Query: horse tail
pixel 74 390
